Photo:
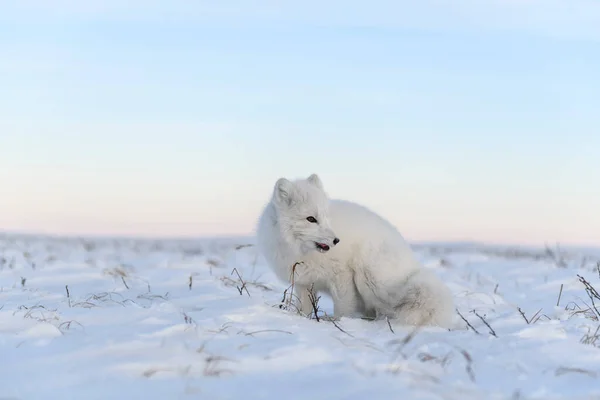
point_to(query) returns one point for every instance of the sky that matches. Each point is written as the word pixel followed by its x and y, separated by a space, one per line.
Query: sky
pixel 455 120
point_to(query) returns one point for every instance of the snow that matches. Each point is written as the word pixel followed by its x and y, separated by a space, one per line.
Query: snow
pixel 169 319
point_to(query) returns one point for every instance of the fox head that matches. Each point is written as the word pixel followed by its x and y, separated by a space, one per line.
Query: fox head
pixel 302 208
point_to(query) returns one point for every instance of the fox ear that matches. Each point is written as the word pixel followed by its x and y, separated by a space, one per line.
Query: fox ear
pixel 315 180
pixel 284 192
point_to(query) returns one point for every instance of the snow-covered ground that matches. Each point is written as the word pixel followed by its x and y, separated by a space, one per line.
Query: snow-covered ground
pixel 126 319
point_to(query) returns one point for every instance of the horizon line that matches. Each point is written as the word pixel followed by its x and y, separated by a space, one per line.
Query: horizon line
pixel 239 236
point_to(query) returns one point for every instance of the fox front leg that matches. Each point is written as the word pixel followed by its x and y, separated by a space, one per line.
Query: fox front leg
pixel 303 296
pixel 347 302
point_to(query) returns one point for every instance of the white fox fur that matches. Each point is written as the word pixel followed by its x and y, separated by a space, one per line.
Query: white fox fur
pixel 371 272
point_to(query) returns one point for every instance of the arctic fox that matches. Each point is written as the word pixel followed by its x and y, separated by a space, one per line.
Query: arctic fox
pixel 350 253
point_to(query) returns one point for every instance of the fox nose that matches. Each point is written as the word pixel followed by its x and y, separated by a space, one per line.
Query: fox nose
pixel 336 241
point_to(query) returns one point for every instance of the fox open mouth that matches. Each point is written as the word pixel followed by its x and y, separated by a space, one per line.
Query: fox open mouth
pixel 322 247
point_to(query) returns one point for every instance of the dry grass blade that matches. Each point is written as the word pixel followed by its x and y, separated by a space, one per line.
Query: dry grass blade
pixel 267 330
pixel 67 325
pixel 565 370
pixel 537 314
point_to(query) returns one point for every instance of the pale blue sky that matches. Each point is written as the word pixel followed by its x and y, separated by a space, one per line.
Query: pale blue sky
pixel 455 120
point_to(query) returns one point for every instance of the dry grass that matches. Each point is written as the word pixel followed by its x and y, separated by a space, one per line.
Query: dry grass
pixel 314 298
pixel 590 311
pixel 241 284
pixel 401 349
pixel 535 318
pixel 215 366
pixel 39 313
pixel 290 300
pixel 592 293
pixel 568 370
pixel 592 339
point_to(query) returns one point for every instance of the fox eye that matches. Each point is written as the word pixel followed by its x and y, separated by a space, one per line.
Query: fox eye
pixel 312 219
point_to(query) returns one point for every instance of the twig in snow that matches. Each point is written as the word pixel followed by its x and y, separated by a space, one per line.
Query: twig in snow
pixel 68 294
pixel 559 295
pixel 188 320
pixel 314 302
pixel 523 315
pixel 406 340
pixel 240 289
pixel 469 366
pixel 467 322
pixel 486 324
pixel 533 319
pixel 332 320
pixel 285 300
pixel 288 294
